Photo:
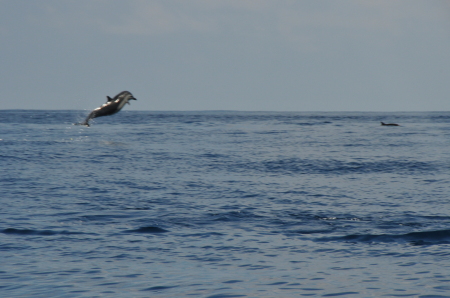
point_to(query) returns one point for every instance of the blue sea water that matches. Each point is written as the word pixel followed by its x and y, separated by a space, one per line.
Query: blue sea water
pixel 224 204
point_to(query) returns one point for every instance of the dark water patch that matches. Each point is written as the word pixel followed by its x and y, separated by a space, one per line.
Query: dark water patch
pixel 109 284
pixel 136 208
pixel 433 296
pixel 105 217
pixel 308 166
pixel 204 235
pixel 234 216
pixel 340 294
pixel 225 296
pixel 147 187
pixel 5 158
pixel 134 275
pixel 277 283
pixel 38 116
pixel 213 156
pixel 148 230
pixel 271 132
pixel 26 232
pixel 429 237
pixel 414 238
pixel 233 281
pixel 254 267
pixel 311 231
pixel 158 288
pixel 312 289
pixel 295 192
pixel 236 133
pixel 312 123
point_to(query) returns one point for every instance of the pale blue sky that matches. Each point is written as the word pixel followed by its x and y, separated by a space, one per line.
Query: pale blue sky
pixel 249 55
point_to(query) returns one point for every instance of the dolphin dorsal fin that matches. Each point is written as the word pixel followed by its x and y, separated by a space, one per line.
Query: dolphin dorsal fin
pixel 108 99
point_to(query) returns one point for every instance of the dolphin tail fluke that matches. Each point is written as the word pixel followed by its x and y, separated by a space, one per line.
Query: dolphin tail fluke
pixel 86 121
pixel 83 123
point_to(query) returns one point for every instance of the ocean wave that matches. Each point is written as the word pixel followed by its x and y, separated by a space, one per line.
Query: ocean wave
pixel 307 166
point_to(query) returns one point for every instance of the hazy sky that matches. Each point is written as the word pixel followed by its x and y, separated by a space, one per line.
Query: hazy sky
pixel 251 55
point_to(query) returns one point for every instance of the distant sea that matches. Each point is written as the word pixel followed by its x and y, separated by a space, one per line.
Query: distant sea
pixel 221 204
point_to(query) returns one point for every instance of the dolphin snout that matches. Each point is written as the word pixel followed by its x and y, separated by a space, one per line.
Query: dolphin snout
pixel 131 99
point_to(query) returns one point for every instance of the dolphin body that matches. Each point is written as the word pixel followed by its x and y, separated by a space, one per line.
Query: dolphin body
pixel 112 106
pixel 389 124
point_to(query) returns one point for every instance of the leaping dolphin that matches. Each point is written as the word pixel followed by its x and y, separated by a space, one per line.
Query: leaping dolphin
pixel 389 124
pixel 112 106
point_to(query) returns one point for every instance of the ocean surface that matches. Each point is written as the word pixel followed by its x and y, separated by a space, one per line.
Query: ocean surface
pixel 221 204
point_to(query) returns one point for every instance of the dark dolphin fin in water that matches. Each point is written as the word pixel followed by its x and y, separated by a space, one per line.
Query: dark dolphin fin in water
pixel 112 106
